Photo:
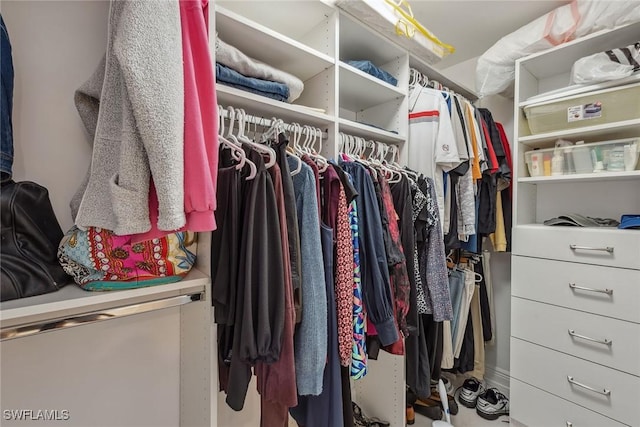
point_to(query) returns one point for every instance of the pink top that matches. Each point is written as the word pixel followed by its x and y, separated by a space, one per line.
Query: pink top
pixel 200 126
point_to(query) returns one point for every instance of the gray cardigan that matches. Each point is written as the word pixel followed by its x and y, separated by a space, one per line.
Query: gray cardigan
pixel 139 128
pixel 311 338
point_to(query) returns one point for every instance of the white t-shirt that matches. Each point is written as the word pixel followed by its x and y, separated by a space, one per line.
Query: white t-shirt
pixel 432 144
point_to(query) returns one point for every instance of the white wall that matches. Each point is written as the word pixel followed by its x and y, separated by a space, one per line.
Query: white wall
pixel 51 145
pixel 496 354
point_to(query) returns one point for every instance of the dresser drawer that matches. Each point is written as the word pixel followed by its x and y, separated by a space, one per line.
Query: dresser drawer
pixel 533 407
pixel 550 281
pixel 578 244
pixel 616 394
pixel 610 342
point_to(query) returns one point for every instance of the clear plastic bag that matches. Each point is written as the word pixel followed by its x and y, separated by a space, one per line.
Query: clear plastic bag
pixel 604 66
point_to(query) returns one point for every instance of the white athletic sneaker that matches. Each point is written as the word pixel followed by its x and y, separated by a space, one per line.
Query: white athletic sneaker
pixel 471 389
pixel 492 404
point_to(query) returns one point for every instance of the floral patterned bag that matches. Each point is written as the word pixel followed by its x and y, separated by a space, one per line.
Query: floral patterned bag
pixel 99 260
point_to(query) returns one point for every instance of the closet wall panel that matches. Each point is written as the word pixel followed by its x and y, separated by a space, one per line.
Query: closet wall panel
pixel 112 373
pixel 51 145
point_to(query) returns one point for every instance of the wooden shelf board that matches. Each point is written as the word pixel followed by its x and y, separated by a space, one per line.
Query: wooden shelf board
pixel 270 47
pixel 583 177
pixel 358 41
pixel 359 90
pixel 562 57
pixel 71 300
pixel 267 107
pixel 283 16
pixel 579 89
pixel 370 132
pixel 624 129
pixel 434 74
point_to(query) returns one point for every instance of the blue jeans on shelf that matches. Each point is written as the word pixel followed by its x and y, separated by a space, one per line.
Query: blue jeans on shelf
pixel 369 68
pixel 230 77
pixel 6 105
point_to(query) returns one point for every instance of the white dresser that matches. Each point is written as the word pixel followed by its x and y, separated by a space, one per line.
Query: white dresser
pixel 575 313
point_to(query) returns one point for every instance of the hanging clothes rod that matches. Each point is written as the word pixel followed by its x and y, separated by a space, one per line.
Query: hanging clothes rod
pixel 22 331
pixel 262 121
pixel 417 78
pixel 358 145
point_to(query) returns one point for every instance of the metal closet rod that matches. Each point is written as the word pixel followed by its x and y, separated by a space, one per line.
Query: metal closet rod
pixel 22 331
pixel 262 121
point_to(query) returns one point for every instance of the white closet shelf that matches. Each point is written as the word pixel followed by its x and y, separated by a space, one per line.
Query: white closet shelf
pixel 284 18
pixel 562 57
pixel 583 177
pixel 360 42
pixel 624 129
pixel 536 227
pixel 578 89
pixel 359 90
pixel 267 107
pixel 270 47
pixel 434 74
pixel 71 300
pixel 369 132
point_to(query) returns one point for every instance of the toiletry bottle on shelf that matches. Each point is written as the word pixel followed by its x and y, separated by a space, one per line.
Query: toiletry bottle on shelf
pixel 557 164
pixel 547 165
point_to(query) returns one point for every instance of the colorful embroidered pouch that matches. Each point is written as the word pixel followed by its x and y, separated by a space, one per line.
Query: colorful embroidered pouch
pixel 99 260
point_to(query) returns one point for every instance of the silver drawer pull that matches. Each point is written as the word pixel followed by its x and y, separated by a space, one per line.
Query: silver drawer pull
pixel 603 392
pixel 569 424
pixel 604 341
pixel 582 288
pixel 591 248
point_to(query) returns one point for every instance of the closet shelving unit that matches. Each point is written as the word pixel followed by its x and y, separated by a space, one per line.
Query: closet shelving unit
pixel 158 367
pixel 575 330
pixel 352 100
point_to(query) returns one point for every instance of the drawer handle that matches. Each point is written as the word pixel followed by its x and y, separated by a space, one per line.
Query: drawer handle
pixel 569 424
pixel 608 249
pixel 603 392
pixel 582 288
pixel 604 341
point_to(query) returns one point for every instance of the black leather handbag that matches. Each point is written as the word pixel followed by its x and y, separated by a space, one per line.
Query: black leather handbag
pixel 30 238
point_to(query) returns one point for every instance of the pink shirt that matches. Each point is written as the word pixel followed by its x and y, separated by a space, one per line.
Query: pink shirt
pixel 200 125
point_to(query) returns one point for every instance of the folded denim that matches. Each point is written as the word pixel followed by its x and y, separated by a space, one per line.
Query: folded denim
pixel 235 59
pixel 369 68
pixel 235 79
pixel 257 92
pixel 6 104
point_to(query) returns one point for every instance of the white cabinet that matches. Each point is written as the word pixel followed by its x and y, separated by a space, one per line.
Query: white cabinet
pixel 575 291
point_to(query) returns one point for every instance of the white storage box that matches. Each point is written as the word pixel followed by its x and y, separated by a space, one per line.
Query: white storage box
pixel 600 107
pixel 608 156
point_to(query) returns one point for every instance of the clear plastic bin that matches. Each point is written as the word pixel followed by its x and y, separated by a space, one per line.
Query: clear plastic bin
pixel 601 107
pixel 608 156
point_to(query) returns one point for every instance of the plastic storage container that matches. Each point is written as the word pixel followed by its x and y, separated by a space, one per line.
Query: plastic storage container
pixel 608 156
pixel 601 107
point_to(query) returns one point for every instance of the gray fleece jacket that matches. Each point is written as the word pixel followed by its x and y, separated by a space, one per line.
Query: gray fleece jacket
pixel 138 130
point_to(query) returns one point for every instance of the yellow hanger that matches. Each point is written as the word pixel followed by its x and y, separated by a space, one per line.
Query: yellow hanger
pixel 403 27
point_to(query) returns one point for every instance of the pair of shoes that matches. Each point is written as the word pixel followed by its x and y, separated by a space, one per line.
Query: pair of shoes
pixel 428 409
pixel 471 389
pixel 435 399
pixel 492 404
pixel 361 420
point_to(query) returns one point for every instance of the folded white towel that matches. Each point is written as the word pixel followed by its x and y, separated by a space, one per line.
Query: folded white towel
pixel 233 58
